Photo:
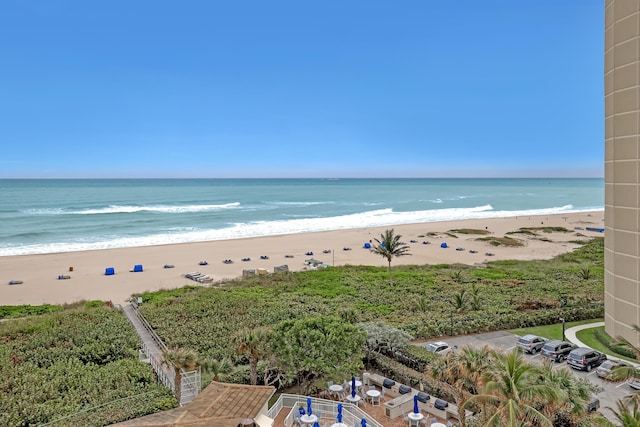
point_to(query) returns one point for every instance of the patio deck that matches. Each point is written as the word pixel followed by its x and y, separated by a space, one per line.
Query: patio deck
pixel 281 410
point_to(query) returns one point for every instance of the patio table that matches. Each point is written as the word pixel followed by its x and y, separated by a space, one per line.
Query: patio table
pixel 373 394
pixel 336 388
pixel 353 399
pixel 308 419
pixel 415 416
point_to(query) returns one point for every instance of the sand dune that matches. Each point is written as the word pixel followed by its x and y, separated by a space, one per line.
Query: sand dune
pixel 87 281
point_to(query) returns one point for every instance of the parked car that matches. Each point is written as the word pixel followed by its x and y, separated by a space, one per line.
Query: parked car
pixel 585 358
pixel 531 343
pixel 634 383
pixel 557 350
pixel 608 366
pixel 594 405
pixel 439 347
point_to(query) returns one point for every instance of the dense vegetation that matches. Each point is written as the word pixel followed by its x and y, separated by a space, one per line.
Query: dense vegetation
pixel 425 301
pixel 82 360
pixel 57 364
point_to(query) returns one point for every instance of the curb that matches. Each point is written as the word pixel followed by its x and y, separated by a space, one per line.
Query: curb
pixel 570 335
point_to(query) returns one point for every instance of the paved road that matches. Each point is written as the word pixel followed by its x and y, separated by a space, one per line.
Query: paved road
pixel 506 341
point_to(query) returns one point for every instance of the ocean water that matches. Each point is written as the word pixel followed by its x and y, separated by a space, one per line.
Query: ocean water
pixel 48 216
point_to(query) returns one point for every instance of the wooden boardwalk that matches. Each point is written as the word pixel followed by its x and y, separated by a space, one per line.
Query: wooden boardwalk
pixel 152 352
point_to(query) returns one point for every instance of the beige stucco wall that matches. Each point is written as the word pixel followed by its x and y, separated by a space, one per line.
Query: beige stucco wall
pixel 622 168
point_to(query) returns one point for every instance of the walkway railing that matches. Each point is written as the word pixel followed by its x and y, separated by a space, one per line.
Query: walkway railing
pixel 324 408
pixel 153 349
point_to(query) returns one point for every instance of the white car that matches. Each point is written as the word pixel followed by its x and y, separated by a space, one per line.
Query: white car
pixel 439 347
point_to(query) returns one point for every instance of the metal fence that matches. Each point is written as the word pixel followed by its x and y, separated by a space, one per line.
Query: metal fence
pixel 326 410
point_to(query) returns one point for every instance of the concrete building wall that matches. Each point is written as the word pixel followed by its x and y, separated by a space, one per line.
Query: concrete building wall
pixel 622 168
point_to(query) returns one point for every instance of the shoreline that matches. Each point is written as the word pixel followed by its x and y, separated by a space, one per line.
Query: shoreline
pixel 39 273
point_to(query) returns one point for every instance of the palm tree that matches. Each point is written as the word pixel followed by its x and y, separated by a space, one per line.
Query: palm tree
pixel 460 373
pixel 459 301
pixel 626 372
pixel 217 367
pixel 578 390
pixel 627 417
pixel 251 342
pixel 510 388
pixel 180 359
pixel 390 246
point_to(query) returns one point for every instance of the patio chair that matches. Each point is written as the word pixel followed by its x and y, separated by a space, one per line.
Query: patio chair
pixel 406 419
pixel 296 419
pixel 433 421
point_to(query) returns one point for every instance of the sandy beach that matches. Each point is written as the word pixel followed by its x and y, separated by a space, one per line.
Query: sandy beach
pixel 39 273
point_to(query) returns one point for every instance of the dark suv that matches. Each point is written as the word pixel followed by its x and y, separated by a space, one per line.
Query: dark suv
pixel 584 358
pixel 557 350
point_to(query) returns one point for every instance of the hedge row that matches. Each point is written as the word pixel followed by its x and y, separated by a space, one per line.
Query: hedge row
pixel 614 346
pixel 502 320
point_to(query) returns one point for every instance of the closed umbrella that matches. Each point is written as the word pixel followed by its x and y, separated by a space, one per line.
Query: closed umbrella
pixel 339 417
pixel 353 386
pixel 316 424
pixel 415 404
pixel 363 423
pixel 308 405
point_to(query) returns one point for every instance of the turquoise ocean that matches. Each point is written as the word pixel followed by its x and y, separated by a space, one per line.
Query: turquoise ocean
pixel 50 216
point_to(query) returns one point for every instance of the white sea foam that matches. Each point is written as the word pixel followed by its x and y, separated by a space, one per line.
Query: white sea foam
pixel 114 209
pixel 374 218
pixel 277 203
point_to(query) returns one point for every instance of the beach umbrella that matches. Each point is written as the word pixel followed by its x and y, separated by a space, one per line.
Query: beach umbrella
pixel 339 417
pixel 353 386
pixel 363 423
pixel 415 404
pixel 309 405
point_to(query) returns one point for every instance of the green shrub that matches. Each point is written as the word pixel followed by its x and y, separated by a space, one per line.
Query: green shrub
pixel 613 345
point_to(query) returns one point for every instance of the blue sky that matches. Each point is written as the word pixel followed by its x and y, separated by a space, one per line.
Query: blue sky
pixel 423 88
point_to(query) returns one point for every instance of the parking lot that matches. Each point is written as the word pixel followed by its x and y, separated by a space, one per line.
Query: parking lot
pixel 506 341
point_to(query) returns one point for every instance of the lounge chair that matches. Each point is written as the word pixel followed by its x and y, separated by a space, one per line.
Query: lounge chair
pixel 15 282
pixel 63 277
